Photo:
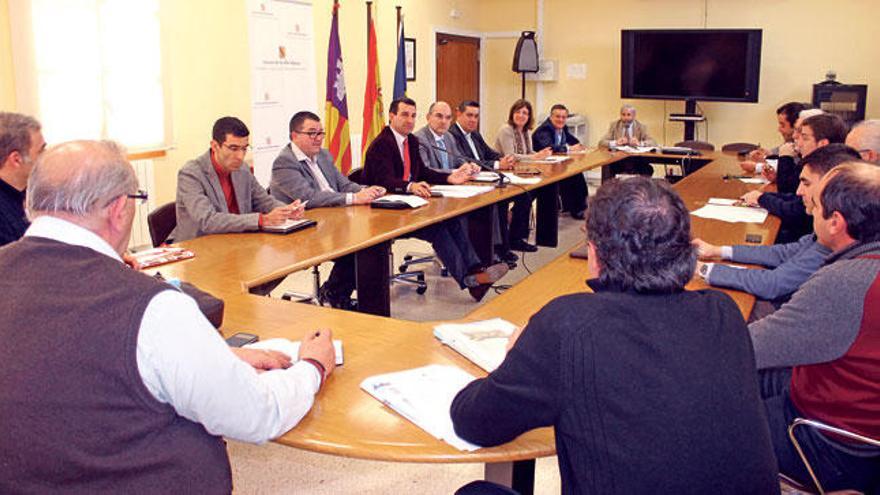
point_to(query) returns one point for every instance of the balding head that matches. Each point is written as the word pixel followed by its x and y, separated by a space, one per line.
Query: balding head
pixel 439 117
pixel 87 183
pixel 865 137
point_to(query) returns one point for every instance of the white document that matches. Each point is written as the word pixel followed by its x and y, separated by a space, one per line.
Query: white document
pixel 634 149
pixel 754 180
pixel 465 191
pixel 423 396
pixel 291 347
pixel 722 201
pixel 411 200
pixel 516 179
pixel 732 214
pixel 549 159
pixel 485 176
pixel 484 343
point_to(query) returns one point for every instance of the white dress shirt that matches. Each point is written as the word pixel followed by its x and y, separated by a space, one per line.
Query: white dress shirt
pixel 184 362
pixel 317 173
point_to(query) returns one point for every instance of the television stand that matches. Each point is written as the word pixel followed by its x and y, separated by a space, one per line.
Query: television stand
pixel 690 117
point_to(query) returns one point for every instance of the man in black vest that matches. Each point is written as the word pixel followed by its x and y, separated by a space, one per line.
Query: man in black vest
pixel 112 381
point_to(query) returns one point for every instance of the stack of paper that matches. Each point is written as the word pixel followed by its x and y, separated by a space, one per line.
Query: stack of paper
pixel 754 180
pixel 149 258
pixel 423 396
pixel 409 199
pixel 726 212
pixel 549 159
pixel 516 179
pixel 634 149
pixel 483 342
pixel 485 176
pixel 291 347
pixel 450 191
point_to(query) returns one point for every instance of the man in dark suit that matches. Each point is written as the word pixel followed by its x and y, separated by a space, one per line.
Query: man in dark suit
pixel 305 171
pixel 393 162
pixel 471 144
pixel 555 134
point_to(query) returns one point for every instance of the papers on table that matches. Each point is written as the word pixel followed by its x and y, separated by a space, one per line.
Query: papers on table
pixel 723 209
pixel 149 258
pixel 482 342
pixel 516 179
pixel 289 226
pixel 408 199
pixel 485 176
pixel 423 396
pixel 291 347
pixel 549 159
pixel 634 149
pixel 465 191
pixel 754 180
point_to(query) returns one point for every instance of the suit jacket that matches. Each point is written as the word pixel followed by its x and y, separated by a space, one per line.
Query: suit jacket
pixel 545 135
pixel 201 206
pixel 506 141
pixel 617 130
pixel 292 179
pixel 383 165
pixel 486 152
pixel 431 156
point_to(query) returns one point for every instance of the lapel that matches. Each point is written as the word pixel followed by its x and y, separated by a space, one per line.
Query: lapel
pixel 326 166
pixel 241 185
pixel 463 145
pixel 213 182
pixel 396 160
pixel 306 172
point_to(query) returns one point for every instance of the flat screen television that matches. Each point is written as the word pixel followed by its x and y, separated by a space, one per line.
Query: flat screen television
pixel 691 64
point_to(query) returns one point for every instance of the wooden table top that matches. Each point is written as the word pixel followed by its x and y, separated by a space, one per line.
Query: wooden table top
pixel 345 420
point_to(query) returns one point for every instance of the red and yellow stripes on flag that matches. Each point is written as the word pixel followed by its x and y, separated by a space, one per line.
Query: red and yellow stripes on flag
pixel 374 117
pixel 338 139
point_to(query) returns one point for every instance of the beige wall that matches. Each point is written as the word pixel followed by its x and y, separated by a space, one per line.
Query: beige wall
pixel 801 40
pixel 206 59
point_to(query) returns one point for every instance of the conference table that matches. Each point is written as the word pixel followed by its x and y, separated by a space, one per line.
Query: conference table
pixel 345 420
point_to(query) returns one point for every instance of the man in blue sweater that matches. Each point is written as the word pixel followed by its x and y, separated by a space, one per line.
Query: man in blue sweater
pixel 789 265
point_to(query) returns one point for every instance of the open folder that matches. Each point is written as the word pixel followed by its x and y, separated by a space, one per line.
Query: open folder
pixel 484 343
pixel 423 396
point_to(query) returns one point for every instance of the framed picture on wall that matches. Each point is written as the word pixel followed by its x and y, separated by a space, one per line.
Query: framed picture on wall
pixel 409 50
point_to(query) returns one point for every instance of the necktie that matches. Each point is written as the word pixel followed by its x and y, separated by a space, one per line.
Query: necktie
pixel 559 139
pixel 406 163
pixel 629 131
pixel 444 157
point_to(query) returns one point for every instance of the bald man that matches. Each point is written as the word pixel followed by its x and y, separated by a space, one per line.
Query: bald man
pixel 865 137
pixel 134 384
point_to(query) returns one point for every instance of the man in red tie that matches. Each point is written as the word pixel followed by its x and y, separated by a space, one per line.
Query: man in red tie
pixel 393 162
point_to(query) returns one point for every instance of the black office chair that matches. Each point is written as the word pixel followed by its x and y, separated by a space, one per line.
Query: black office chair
pixel 161 222
pixel 696 145
pixel 405 276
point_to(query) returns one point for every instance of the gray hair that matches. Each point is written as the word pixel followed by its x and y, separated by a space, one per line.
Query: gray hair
pixel 15 134
pixel 870 134
pixel 79 178
pixel 627 106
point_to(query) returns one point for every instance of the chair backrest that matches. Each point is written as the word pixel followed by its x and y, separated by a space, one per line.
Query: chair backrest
pixel 697 145
pixel 356 175
pixel 741 148
pixel 161 222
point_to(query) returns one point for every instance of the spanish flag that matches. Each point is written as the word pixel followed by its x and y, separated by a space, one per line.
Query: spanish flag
pixel 374 116
pixel 338 139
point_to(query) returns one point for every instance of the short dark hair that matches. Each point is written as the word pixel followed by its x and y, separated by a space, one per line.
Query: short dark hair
pixel 559 106
pixel 791 110
pixel 467 103
pixel 642 233
pixel 228 125
pixel 823 159
pixel 827 126
pixel 298 118
pixel 15 134
pixel 517 105
pixel 395 104
pixel 853 189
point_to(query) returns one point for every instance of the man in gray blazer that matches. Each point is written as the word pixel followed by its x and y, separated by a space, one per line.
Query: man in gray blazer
pixel 305 171
pixel 434 136
pixel 216 195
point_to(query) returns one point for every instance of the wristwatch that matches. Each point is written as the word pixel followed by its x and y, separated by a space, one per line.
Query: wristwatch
pixel 704 270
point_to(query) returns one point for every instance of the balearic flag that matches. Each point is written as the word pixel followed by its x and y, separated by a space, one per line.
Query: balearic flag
pixel 338 138
pixel 374 116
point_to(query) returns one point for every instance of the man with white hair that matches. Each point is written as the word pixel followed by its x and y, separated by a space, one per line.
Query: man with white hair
pixel 627 131
pixel 865 137
pixel 113 380
pixel 21 142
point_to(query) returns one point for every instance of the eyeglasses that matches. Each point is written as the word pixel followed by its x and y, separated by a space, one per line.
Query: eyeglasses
pixel 236 149
pixel 140 194
pixel 313 134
